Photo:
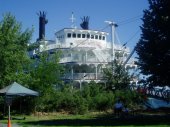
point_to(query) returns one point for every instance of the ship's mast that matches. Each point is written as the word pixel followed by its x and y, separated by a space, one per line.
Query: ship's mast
pixel 113 25
pixel 72 20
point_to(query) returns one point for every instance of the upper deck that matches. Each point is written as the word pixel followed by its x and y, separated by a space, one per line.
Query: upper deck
pixel 71 37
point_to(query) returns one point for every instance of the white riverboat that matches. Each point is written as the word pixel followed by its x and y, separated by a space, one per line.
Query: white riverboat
pixel 85 52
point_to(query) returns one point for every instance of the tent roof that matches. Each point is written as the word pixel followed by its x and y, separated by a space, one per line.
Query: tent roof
pixel 17 89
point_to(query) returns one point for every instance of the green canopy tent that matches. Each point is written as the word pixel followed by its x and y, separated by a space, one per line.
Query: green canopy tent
pixel 16 89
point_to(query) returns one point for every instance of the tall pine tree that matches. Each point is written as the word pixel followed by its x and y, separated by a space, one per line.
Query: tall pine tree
pixel 153 47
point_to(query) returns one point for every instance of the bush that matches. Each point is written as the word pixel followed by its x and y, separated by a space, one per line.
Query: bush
pixel 71 101
pixel 91 97
pixel 103 101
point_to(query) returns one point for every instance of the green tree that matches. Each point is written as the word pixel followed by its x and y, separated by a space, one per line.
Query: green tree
pixel 117 78
pixel 13 50
pixel 45 72
pixel 153 48
pixel 118 81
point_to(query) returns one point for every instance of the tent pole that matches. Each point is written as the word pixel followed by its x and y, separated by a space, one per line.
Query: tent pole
pixel 4 108
pixel 9 115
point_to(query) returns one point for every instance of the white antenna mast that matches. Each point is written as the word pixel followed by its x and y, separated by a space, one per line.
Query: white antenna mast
pixel 113 26
pixel 72 21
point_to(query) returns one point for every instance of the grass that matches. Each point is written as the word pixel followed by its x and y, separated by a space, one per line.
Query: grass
pixel 99 119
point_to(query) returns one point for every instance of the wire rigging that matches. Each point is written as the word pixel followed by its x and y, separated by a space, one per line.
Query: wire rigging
pixel 133 19
pixel 130 20
pixel 132 36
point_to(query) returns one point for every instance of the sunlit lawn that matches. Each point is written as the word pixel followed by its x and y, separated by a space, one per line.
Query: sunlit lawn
pixel 91 119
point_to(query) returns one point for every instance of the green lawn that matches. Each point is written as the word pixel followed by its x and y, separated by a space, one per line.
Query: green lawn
pixel 93 119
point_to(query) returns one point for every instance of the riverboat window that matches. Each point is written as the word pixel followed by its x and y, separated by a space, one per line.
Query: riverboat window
pixel 83 35
pixel 96 36
pixel 74 35
pixel 104 38
pixel 78 35
pixel 88 35
pixel 100 37
pixel 92 36
pixel 69 35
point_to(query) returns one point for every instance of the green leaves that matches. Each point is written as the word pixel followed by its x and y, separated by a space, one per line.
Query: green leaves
pixel 153 47
pixel 118 77
pixel 13 50
pixel 45 73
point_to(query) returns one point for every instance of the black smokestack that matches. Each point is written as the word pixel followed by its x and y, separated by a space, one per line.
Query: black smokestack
pixel 42 22
pixel 85 23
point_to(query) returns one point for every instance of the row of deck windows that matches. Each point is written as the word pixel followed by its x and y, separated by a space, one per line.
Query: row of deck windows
pixel 74 35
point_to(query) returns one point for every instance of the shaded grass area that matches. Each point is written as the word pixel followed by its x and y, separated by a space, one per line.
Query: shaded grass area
pixel 100 119
pixel 105 120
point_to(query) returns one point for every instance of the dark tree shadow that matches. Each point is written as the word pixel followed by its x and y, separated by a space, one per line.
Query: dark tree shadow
pixel 107 120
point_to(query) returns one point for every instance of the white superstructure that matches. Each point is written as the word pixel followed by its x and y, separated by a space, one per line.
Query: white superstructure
pixel 85 53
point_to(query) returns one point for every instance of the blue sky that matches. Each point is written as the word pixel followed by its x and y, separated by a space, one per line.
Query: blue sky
pixel 126 13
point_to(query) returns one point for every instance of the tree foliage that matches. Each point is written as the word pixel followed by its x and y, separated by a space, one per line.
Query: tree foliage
pixel 117 78
pixel 45 73
pixel 153 47
pixel 118 81
pixel 13 50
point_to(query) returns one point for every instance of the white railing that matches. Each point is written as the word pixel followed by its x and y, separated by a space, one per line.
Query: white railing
pixel 88 60
pixel 84 76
